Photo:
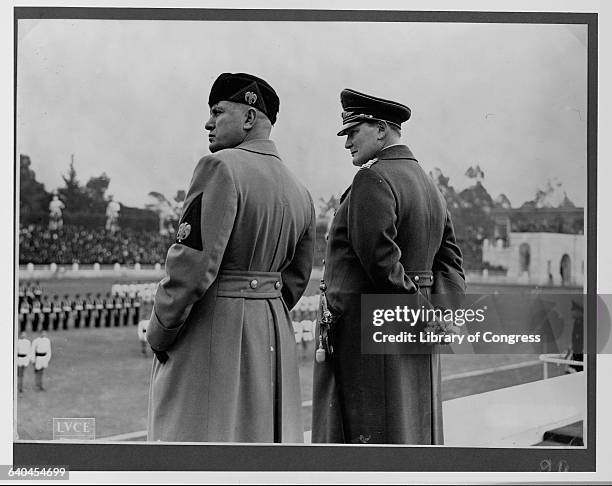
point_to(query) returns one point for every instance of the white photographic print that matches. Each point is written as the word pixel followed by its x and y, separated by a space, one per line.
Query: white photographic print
pixel 129 237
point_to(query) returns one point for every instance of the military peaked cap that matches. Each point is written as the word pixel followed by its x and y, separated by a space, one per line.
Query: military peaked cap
pixel 360 107
pixel 246 89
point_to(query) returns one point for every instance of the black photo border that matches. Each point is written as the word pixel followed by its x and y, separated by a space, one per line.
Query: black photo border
pixel 234 457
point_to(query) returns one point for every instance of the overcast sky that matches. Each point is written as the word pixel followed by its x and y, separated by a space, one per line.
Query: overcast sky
pixel 129 98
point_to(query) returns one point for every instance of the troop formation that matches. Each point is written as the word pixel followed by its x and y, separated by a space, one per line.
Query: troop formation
pixel 225 367
pixel 38 311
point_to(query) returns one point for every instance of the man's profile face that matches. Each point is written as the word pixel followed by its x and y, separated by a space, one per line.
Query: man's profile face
pixel 225 126
pixel 362 142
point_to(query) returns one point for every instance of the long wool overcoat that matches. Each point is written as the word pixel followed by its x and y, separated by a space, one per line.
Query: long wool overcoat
pixel 392 223
pixel 242 258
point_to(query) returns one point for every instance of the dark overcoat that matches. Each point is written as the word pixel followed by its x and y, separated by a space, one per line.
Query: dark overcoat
pixel 242 259
pixel 392 223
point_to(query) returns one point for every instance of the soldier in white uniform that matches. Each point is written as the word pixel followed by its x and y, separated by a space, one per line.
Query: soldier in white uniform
pixel 24 350
pixel 41 355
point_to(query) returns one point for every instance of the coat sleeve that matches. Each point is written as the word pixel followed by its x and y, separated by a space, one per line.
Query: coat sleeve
pixel 449 277
pixel 297 274
pixel 372 219
pixel 448 291
pixel 193 261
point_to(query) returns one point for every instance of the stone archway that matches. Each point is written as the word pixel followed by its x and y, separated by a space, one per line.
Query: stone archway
pixel 565 269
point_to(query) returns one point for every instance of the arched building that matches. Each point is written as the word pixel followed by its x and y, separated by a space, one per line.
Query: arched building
pixel 539 258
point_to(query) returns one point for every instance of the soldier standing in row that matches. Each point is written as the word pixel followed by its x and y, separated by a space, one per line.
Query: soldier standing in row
pixel 99 309
pixel 24 352
pixel 37 290
pixel 119 310
pixel 46 313
pixel 127 310
pixel 92 315
pixel 25 316
pixel 41 355
pixel 136 309
pixel 109 303
pixel 37 316
pixel 67 318
pixel 29 293
pixel 56 312
pixel 78 311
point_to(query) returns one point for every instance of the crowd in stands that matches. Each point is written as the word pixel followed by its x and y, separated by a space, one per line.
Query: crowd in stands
pixel 76 244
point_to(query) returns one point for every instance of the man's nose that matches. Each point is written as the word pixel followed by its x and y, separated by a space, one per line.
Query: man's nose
pixel 209 125
pixel 348 144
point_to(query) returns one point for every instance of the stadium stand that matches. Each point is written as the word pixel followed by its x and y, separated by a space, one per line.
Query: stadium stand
pixel 77 244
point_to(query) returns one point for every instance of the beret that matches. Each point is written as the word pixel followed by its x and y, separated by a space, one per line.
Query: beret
pixel 359 107
pixel 246 89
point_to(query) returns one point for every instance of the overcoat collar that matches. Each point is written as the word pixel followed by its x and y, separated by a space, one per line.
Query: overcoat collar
pixel 389 153
pixel 395 152
pixel 260 146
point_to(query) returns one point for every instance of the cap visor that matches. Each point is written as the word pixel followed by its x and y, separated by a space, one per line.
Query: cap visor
pixel 347 126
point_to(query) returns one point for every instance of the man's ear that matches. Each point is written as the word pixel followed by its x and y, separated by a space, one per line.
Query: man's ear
pixel 250 117
pixel 382 130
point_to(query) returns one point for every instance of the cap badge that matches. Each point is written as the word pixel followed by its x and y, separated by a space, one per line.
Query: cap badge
pixel 250 97
pixel 183 231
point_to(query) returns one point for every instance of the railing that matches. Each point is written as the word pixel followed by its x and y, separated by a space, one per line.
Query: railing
pixel 558 359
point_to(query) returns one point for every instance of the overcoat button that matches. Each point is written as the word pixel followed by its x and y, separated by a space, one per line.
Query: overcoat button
pixel 254 283
pixel 277 285
pixel 416 278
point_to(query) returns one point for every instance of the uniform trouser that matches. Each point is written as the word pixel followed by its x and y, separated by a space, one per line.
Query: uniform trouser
pixel 111 318
pixel 36 321
pixel 38 378
pixel 20 372
pixel 93 318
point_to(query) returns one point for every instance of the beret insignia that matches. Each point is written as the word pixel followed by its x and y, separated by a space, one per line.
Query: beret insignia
pixel 183 232
pixel 250 97
pixel 189 231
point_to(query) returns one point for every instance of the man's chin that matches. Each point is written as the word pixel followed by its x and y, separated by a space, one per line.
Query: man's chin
pixel 214 147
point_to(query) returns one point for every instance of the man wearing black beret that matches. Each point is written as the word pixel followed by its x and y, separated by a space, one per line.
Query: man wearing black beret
pixel 391 234
pixel 225 367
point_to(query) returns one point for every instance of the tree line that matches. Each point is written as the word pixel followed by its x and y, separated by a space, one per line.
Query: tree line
pixel 85 204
